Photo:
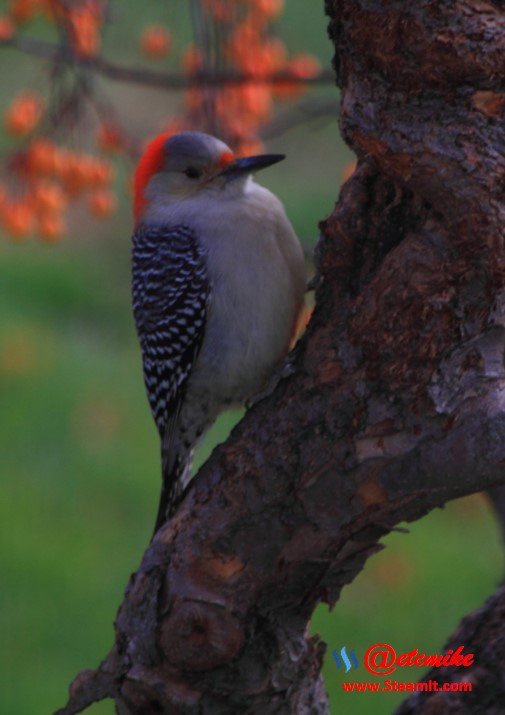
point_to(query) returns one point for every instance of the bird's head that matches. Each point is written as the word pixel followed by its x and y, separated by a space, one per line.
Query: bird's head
pixel 176 166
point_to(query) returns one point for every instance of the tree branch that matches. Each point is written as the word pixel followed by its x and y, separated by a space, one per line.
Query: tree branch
pixel 149 77
pixel 306 111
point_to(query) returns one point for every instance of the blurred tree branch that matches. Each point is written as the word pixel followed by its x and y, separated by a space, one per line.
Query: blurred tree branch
pixel 303 113
pixel 63 53
pixel 396 404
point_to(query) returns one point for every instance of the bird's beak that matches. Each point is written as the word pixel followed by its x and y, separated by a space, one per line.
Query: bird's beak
pixel 250 164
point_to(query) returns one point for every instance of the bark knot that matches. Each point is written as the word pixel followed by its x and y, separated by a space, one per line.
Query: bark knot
pixel 200 636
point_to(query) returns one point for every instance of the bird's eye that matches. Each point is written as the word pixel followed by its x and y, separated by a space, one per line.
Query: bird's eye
pixel 193 173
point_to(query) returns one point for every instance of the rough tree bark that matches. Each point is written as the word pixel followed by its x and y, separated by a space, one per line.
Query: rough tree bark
pixel 397 401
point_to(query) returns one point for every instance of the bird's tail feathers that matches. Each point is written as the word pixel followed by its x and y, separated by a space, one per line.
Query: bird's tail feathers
pixel 175 477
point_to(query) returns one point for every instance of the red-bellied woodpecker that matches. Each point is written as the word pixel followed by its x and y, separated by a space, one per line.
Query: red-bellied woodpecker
pixel 218 284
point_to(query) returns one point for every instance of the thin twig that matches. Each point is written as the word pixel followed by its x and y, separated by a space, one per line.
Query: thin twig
pixel 302 113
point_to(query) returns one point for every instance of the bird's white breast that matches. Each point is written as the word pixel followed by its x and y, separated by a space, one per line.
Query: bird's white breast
pixel 257 273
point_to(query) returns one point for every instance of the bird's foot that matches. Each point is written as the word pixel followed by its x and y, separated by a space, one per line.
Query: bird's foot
pixel 286 370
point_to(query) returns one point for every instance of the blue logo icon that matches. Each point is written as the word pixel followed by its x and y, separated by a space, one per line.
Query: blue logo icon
pixel 350 661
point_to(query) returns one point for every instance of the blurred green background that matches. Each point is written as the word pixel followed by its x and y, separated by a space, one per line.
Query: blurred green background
pixel 79 453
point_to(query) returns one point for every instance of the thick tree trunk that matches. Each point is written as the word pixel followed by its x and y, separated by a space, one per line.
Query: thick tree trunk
pixel 397 400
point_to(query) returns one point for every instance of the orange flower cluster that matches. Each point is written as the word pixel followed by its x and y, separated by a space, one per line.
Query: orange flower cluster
pixel 156 42
pixel 110 139
pixel 250 49
pixel 82 20
pixel 243 43
pixel 21 11
pixel 7 28
pixel 24 113
pixel 55 177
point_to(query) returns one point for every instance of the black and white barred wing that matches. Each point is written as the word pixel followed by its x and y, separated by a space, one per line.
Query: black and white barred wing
pixel 170 296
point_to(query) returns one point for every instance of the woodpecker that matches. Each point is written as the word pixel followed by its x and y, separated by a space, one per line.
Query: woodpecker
pixel 218 283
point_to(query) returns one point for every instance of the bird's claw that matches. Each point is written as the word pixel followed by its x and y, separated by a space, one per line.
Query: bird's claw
pixel 286 370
